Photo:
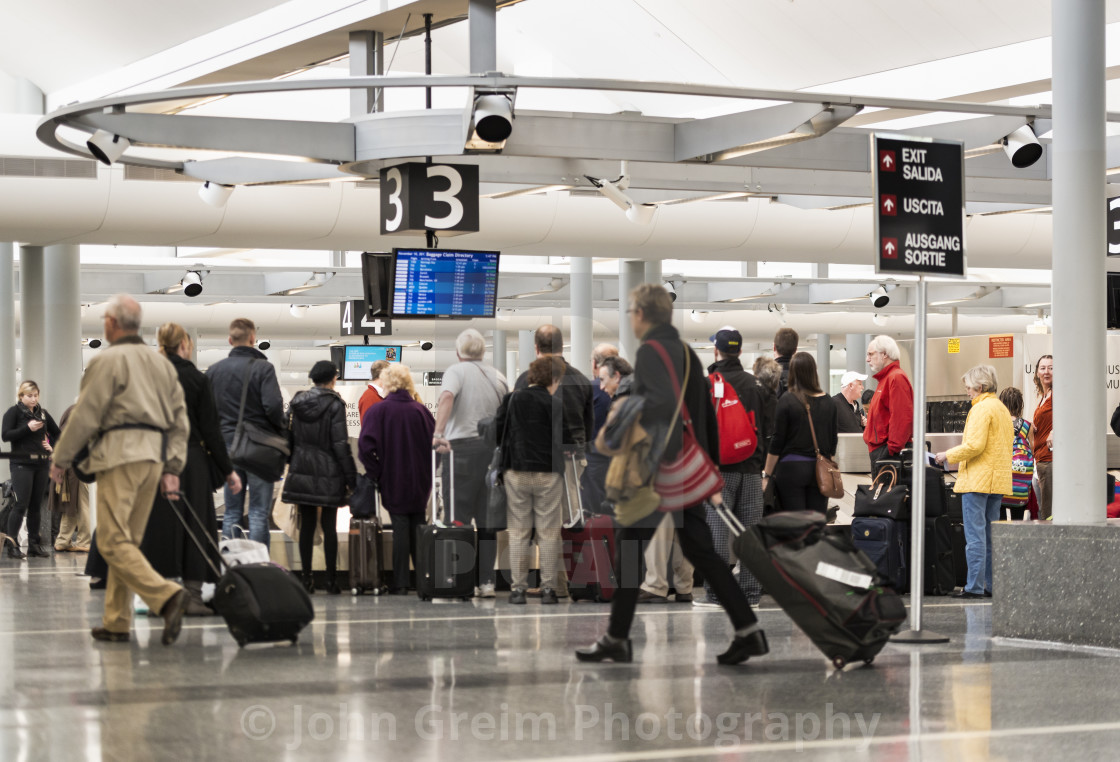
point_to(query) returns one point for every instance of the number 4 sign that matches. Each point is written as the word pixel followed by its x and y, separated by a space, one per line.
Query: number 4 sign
pixel 416 197
pixel 353 321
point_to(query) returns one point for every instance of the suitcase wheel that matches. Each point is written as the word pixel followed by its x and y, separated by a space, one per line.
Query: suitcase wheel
pixel 355 591
pixel 869 660
pixel 839 662
pixel 377 591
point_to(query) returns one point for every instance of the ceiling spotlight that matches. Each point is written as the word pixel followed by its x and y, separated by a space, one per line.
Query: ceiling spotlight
pixel 192 283
pixel 491 119
pixel 426 345
pixel 107 147
pixel 878 319
pixel 299 310
pixel 697 316
pixel 671 288
pixel 1022 147
pixel 263 344
pixel 879 298
pixel 215 194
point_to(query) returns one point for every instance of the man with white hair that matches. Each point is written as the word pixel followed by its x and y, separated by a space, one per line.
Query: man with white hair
pixel 132 413
pixel 850 418
pixel 890 416
pixel 471 391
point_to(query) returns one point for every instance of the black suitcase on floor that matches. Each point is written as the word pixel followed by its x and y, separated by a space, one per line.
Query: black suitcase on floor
pixel 884 541
pixel 960 561
pixel 365 556
pixel 261 603
pixel 939 577
pixel 827 587
pixel 445 555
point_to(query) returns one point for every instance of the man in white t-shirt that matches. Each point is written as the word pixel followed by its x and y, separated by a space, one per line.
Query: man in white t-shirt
pixel 471 391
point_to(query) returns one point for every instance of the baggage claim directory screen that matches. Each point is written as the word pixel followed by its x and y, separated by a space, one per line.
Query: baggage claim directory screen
pixel 445 283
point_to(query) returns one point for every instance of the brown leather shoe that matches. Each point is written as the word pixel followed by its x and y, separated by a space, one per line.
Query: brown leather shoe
pixel 100 633
pixel 172 613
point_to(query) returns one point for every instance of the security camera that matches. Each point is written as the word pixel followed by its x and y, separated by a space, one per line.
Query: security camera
pixel 493 117
pixel 879 298
pixel 215 194
pixel 107 147
pixel 94 344
pixel 299 310
pixel 192 283
pixel 426 345
pixel 1022 147
pixel 264 344
pixel 672 289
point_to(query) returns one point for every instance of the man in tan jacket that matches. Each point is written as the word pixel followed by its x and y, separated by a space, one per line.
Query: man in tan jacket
pixel 132 413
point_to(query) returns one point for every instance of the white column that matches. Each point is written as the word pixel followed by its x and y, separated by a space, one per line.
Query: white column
pixel 749 269
pixel 366 59
pixel 526 352
pixel 8 384
pixel 483 22
pixel 824 361
pixel 1078 156
pixel 653 273
pixel 581 317
pixel 63 321
pixel 500 351
pixel 32 317
pixel 856 350
pixel 630 274
pixel 512 371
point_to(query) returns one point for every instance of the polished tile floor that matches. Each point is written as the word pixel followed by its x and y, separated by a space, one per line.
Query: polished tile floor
pixel 392 678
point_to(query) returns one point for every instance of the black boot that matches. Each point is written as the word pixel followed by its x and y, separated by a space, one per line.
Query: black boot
pixel 308 579
pixel 332 585
pixel 15 552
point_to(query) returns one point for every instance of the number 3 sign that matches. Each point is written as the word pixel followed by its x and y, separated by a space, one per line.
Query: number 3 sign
pixel 417 197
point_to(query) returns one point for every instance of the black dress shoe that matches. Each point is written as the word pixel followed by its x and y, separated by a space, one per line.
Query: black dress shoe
pixel 987 593
pixel 16 553
pixel 97 584
pixel 744 647
pixel 38 551
pixel 966 594
pixel 517 597
pixel 172 613
pixel 601 650
pixel 100 633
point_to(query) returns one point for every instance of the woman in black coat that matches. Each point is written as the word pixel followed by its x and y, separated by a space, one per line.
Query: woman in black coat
pixel 30 429
pixel 166 545
pixel 321 474
pixel 792 460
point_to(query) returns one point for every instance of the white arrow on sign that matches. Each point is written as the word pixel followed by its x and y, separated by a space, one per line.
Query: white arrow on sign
pixel 889 247
pixel 888 205
pixel 887 160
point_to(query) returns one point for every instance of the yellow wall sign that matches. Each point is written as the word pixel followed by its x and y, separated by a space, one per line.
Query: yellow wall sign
pixel 954 346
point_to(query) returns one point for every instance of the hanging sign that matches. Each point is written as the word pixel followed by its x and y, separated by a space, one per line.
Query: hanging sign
pixel 416 197
pixel 919 202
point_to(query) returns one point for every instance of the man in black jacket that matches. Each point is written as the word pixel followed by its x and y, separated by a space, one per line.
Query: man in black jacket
pixel 742 476
pixel 850 417
pixel 264 406
pixel 651 312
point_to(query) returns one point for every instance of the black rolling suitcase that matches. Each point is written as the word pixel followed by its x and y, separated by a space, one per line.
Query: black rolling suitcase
pixel 260 603
pixel 365 556
pixel 940 574
pixel 884 541
pixel 445 555
pixel 830 589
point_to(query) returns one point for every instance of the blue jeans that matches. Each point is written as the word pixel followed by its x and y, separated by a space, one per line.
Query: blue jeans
pixel 260 506
pixel 980 510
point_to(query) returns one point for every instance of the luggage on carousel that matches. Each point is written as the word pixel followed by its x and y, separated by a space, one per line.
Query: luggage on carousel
pixel 445 554
pixel 830 589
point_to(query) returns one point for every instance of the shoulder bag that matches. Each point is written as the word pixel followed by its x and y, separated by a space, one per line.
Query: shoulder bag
pixel 691 477
pixel 254 449
pixel 829 481
pixel 884 497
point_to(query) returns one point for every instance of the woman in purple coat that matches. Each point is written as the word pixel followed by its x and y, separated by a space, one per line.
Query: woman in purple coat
pixel 395 446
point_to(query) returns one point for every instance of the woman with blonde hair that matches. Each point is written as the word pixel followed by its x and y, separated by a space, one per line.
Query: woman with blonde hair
pixel 395 446
pixel 1043 434
pixel 984 476
pixel 30 429
pixel 166 544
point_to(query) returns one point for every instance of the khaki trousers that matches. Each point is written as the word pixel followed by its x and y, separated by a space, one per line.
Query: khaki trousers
pixel 75 521
pixel 533 502
pixel 663 545
pixel 124 502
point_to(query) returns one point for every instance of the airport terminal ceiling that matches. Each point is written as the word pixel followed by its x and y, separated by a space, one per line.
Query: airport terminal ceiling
pixel 794 204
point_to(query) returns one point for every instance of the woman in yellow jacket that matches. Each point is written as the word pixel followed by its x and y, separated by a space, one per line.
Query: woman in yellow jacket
pixel 984 476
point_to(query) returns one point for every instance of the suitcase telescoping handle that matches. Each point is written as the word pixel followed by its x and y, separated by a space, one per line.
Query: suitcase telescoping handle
pixel 451 488
pixel 730 519
pixel 575 511
pixel 191 530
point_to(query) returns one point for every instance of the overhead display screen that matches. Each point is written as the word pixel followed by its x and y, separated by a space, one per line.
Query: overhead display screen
pixel 359 357
pixel 445 283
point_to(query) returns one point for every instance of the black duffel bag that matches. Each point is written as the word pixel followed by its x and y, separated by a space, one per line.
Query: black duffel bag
pixel 884 497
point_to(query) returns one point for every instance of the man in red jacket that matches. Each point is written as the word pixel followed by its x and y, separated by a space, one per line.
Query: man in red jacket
pixel 890 417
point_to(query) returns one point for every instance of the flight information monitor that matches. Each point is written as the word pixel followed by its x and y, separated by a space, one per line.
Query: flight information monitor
pixel 445 283
pixel 359 357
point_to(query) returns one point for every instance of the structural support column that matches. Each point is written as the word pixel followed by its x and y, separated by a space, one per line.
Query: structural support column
pixel 32 314
pixel 367 59
pixel 7 336
pixel 483 21
pixel 581 320
pixel 526 351
pixel 630 274
pixel 856 350
pixel 63 323
pixel 1078 155
pixel 824 361
pixel 500 351
pixel 653 273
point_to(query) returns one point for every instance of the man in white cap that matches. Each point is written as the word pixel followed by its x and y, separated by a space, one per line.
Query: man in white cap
pixel 850 416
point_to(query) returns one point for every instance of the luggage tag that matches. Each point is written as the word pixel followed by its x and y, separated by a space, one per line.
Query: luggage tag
pixel 718 387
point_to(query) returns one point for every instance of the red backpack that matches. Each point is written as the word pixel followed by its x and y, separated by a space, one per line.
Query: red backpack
pixel 738 434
